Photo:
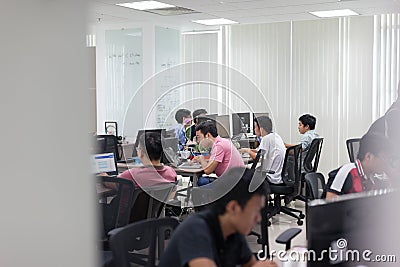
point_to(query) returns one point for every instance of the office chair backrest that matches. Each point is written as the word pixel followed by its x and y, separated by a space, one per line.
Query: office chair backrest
pixel 107 144
pixel 291 171
pixel 116 203
pixel 148 202
pixel 315 184
pixel 311 159
pixel 259 156
pixel 138 236
pixel 353 146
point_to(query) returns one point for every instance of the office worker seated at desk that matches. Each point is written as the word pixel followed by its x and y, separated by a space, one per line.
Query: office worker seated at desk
pixel 373 158
pixel 274 148
pixel 153 171
pixel 223 154
pixel 216 236
pixel 306 128
pixel 184 120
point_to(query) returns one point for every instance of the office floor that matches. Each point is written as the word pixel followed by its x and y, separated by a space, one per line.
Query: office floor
pixel 280 223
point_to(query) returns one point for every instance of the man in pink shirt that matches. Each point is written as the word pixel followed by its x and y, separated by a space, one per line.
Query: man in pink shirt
pixel 223 155
pixel 153 172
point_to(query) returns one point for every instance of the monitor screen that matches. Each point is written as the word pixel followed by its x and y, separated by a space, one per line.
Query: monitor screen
pixel 170 150
pixel 351 223
pixel 223 126
pixel 240 123
pixel 206 117
pixel 104 163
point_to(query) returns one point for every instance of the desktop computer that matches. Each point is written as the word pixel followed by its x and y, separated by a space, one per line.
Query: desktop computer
pixel 223 126
pixel 240 123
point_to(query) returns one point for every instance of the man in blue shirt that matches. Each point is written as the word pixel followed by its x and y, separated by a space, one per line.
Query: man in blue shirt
pixel 184 120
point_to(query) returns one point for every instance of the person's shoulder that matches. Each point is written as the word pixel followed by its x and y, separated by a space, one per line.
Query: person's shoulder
pixel 195 221
pixel 128 174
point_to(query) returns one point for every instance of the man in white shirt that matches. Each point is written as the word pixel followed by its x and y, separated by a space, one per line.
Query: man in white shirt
pixel 274 148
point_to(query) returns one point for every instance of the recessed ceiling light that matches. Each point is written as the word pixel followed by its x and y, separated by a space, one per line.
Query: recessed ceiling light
pixel 145 5
pixel 210 22
pixel 334 13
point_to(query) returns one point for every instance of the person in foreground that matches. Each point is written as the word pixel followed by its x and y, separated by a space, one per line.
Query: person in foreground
pixel 215 236
pixel 374 157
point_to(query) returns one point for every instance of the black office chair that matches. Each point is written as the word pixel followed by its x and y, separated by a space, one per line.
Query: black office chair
pixel 310 163
pixel 353 146
pixel 137 243
pixel 291 176
pixel 115 199
pixel 315 185
pixel 148 202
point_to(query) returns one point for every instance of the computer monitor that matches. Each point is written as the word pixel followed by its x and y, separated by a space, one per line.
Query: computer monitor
pixel 162 133
pixel 256 115
pixel 207 117
pixel 104 163
pixel 240 123
pixel 170 150
pixel 223 126
pixel 351 224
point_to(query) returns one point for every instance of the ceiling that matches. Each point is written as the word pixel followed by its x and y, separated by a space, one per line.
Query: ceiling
pixel 242 11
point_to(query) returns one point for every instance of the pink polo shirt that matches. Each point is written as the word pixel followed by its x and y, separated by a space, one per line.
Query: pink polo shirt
pixel 226 154
pixel 149 175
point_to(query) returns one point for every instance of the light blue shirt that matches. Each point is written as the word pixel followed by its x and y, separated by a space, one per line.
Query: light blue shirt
pixel 180 133
pixel 307 138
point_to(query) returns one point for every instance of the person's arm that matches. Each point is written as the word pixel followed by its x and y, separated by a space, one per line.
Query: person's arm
pixel 208 166
pixel 202 262
pixel 251 152
pixel 255 263
pixel 331 195
pixel 289 145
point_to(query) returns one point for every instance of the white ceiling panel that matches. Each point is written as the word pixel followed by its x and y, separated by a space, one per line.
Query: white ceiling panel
pixel 243 11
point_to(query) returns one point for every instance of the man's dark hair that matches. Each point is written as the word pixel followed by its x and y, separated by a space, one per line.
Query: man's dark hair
pixel 180 113
pixel 264 122
pixel 198 112
pixel 308 119
pixel 150 143
pixel 207 127
pixel 374 144
pixel 241 191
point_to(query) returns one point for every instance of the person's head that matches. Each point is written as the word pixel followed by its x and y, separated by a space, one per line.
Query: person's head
pixel 206 129
pixel 375 153
pixel 306 122
pixel 198 113
pixel 150 146
pixel 242 204
pixel 262 125
pixel 182 116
